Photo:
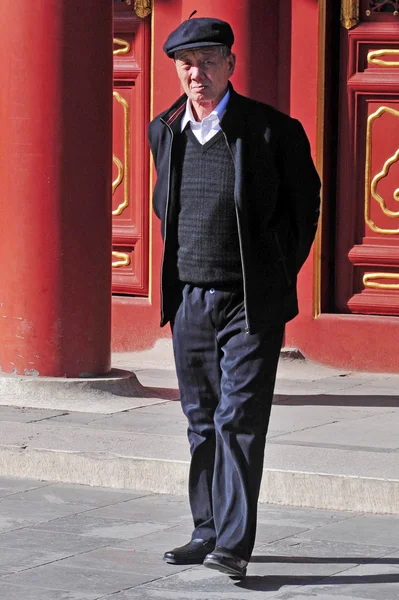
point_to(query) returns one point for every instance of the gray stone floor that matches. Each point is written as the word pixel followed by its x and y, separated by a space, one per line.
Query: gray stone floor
pixel 72 542
pixel 333 440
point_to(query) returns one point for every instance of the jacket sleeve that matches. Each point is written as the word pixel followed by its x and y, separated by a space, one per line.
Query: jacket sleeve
pixel 153 140
pixel 302 190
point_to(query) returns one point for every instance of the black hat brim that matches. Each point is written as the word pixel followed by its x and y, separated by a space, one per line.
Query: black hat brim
pixel 191 46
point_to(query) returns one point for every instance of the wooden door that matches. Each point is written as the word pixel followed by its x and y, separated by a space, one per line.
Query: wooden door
pixel 367 229
pixel 130 188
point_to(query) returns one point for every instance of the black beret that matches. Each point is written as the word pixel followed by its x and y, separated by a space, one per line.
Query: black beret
pixel 197 33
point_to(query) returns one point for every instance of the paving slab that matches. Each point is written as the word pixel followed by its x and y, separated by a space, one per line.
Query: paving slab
pixel 16 513
pixel 371 431
pixel 365 582
pixel 125 560
pixel 297 419
pixel 118 390
pixel 160 541
pixel 13 560
pixel 198 582
pixel 72 494
pixel 332 443
pixel 67 544
pixel 313 552
pixel 76 579
pixel 299 517
pixel 162 594
pixel 137 421
pixel 299 553
pixel 17 592
pixel 164 509
pixel 52 436
pixel 102 529
pixel 12 485
pixel 380 528
pixel 332 458
pixel 20 414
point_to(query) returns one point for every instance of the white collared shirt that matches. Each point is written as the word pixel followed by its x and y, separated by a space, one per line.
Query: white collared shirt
pixel 205 130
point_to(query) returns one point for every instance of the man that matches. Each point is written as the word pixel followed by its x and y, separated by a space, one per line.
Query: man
pixel 238 197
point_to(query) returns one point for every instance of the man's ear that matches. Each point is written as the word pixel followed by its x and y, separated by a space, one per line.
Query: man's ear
pixel 232 63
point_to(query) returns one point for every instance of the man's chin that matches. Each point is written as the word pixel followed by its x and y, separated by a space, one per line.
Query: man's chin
pixel 200 97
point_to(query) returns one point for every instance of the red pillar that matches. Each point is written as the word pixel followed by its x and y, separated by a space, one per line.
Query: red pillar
pixel 55 187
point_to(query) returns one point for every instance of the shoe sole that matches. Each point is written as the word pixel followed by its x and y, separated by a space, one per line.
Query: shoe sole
pixel 173 561
pixel 210 564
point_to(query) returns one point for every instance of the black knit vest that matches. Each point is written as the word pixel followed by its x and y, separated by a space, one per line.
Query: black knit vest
pixel 208 244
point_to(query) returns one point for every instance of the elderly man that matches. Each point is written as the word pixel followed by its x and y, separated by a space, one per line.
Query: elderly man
pixel 238 198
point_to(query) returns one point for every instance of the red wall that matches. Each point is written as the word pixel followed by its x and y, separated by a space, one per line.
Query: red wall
pixel 303 106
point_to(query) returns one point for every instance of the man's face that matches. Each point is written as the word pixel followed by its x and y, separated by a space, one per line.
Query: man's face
pixel 204 73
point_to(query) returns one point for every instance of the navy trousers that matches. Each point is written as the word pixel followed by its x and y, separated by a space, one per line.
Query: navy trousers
pixel 226 380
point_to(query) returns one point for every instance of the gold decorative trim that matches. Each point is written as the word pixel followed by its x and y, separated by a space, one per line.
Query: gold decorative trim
pixel 373 186
pixel 123 260
pixel 377 179
pixel 123 169
pixel 320 154
pixel 119 177
pixel 373 60
pixel 369 283
pixel 125 46
pixel 142 8
pixel 349 13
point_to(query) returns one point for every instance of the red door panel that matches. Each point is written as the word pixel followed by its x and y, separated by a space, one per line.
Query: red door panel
pixel 367 257
pixel 130 188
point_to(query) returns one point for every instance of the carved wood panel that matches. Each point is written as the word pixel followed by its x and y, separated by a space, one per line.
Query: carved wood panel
pixel 367 259
pixel 130 186
pixel 379 11
pixel 383 6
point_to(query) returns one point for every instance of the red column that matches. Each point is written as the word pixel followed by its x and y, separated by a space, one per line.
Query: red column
pixel 55 184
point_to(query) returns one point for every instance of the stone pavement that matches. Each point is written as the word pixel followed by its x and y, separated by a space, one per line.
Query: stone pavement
pixel 333 440
pixel 72 542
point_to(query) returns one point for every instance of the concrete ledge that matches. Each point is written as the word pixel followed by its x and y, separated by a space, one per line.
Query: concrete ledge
pixel 288 353
pixel 118 391
pixel 332 492
pixel 99 469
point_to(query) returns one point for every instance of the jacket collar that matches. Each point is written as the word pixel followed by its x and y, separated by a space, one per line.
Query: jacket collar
pixel 173 116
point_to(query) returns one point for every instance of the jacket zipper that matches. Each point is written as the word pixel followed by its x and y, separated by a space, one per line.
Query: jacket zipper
pixel 166 221
pixel 247 329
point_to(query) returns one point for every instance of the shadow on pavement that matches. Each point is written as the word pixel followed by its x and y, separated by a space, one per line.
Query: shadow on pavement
pixel 275 582
pixel 327 560
pixel 337 400
pixel 161 393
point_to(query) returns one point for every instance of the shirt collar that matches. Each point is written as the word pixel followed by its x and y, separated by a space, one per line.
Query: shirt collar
pixel 217 112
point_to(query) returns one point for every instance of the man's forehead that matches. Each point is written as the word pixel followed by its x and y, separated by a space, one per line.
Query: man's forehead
pixel 197 52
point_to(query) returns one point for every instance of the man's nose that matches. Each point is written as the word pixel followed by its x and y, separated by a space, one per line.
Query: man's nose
pixel 196 73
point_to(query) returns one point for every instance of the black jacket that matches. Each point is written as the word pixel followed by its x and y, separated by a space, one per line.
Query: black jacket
pixel 277 204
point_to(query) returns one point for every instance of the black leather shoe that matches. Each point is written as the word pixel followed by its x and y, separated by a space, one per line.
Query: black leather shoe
pixel 192 553
pixel 225 561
